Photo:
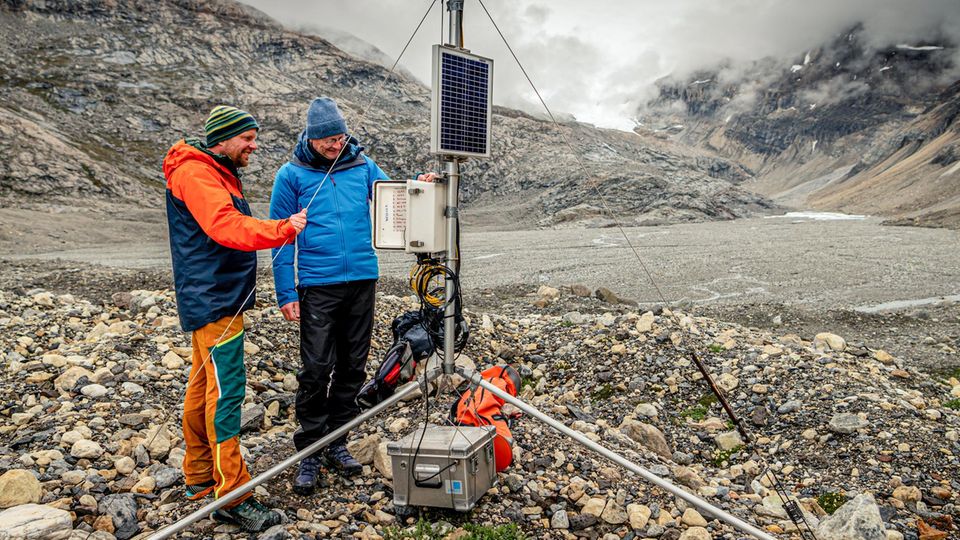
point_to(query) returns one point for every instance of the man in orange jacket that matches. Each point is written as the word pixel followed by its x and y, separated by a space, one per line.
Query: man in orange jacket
pixel 213 243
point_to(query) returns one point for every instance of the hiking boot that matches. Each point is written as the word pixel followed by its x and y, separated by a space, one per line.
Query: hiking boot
pixel 195 492
pixel 307 476
pixel 250 515
pixel 339 459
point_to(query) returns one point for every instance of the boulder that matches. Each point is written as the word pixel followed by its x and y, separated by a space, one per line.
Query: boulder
pixel 858 519
pixel 648 436
pixel 35 522
pixel 18 487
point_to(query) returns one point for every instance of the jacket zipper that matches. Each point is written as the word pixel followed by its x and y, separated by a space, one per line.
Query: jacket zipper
pixel 343 244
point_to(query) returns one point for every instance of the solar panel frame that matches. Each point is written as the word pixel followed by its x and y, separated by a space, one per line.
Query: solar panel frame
pixel 461 110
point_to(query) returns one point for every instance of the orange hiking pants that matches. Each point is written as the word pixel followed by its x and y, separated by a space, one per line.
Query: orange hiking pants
pixel 211 408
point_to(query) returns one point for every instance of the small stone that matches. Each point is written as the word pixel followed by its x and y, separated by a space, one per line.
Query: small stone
pixel 645 322
pixel 122 508
pixel 19 486
pixel 883 357
pixel 692 518
pixel 728 440
pixel 94 391
pixel 639 515
pixel 398 425
pixel 695 533
pixel 828 341
pixel 907 494
pixel 648 436
pixel 580 290
pixel 85 448
pixel 279 532
pixel 559 520
pixel 382 462
pixel 125 465
pixel 846 423
pixel 548 293
pixel 858 518
pixel 68 379
pixel 614 513
pixel 172 361
pixel 144 485
pixel 594 506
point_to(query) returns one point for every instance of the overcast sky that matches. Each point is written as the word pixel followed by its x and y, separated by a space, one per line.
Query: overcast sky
pixel 598 60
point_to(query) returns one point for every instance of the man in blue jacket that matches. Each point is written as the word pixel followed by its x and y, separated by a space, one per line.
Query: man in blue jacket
pixel 333 292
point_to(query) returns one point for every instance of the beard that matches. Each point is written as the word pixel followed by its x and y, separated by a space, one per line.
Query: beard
pixel 242 159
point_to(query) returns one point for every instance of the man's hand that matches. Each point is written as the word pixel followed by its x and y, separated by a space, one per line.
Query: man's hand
pixel 291 311
pixel 299 221
pixel 428 177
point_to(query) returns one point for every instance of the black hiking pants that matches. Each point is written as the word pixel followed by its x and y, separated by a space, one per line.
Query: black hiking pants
pixel 336 322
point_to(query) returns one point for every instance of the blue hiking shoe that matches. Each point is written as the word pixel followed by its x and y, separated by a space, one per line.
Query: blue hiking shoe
pixel 307 476
pixel 195 492
pixel 250 515
pixel 339 459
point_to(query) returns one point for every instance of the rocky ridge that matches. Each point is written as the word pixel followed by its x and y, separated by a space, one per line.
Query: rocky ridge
pixel 848 126
pixel 95 364
pixel 95 92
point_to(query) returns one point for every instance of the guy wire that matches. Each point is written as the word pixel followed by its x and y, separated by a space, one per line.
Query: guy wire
pixel 636 254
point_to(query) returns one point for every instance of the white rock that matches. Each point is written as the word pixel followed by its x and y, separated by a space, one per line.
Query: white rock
pixel 94 391
pixel 728 440
pixel 125 465
pixel 858 518
pixel 85 448
pixel 645 322
pixel 828 341
pixel 35 522
pixel 70 437
pixel 172 361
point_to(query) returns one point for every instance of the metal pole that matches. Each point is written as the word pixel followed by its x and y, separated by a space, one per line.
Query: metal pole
pixel 452 261
pixel 703 505
pixel 205 511
pixel 455 7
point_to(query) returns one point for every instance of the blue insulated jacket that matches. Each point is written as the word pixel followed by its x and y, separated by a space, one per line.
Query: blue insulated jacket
pixel 336 246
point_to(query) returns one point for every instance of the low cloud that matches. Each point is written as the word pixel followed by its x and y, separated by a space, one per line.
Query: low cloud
pixel 600 61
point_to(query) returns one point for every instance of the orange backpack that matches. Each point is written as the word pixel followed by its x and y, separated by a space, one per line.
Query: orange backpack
pixel 480 407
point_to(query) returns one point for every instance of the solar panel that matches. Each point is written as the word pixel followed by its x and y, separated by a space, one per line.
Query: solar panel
pixel 461 107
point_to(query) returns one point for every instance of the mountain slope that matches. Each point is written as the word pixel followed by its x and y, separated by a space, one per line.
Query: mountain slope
pixel 95 92
pixel 847 127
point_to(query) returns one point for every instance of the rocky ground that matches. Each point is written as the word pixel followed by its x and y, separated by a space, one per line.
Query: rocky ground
pixel 95 364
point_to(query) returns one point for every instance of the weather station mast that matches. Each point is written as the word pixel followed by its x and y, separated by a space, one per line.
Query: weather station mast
pixel 422 218
pixel 460 124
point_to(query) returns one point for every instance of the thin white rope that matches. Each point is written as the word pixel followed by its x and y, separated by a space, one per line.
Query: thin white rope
pixel 286 242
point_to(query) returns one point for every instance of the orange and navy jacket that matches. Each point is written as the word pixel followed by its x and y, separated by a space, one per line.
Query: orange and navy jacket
pixel 213 238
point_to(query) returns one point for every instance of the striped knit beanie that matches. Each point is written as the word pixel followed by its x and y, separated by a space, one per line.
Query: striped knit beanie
pixel 225 122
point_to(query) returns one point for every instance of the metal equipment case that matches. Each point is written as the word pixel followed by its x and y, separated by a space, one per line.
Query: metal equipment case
pixel 444 466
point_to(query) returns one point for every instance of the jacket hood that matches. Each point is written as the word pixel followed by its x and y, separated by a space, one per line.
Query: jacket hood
pixel 191 150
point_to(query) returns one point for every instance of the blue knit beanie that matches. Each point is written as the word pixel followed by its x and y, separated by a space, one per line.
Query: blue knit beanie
pixel 226 122
pixel 324 119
